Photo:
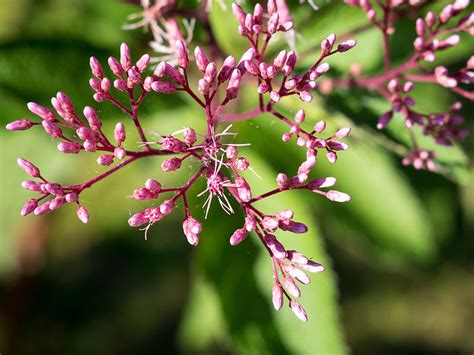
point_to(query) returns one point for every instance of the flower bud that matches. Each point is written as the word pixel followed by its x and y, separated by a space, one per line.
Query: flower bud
pixel 192 228
pixel 282 181
pixel 238 236
pixel 138 219
pixel 291 287
pixel 82 214
pixel 243 189
pixel 29 207
pixel 31 185
pixel 231 152
pixel 105 160
pixel 171 164
pixel 226 70
pixel 43 209
pixel 167 207
pixel 153 185
pixel 163 87
pixel 337 196
pixel 143 62
pixel 115 66
pixel 298 310
pixel 201 59
pixel 92 118
pixel 275 246
pixel 347 45
pixel 19 125
pixel 41 111
pixel 277 296
pixel 119 133
pixel 71 197
pixel 119 153
pixel 125 58
pixel 28 167
pixel 182 54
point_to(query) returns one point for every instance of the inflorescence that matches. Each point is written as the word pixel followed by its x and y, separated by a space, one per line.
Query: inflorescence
pixel 219 163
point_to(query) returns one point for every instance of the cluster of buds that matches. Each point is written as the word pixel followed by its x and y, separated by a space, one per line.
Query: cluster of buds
pixel 434 33
pixel 218 163
pixel 52 195
pixel 443 127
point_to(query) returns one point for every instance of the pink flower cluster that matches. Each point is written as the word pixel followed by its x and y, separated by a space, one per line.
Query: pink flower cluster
pixel 219 163
pixel 434 33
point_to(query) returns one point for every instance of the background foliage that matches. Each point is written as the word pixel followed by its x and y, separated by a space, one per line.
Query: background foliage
pixel 399 255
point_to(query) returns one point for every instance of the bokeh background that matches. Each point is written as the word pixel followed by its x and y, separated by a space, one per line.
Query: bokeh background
pixel 400 276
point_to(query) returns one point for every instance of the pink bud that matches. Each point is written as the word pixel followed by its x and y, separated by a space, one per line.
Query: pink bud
pixel 29 207
pixel 19 125
pixel 289 64
pixel 211 72
pixel 99 96
pixel 282 181
pixel 332 157
pixel 163 87
pixel 285 215
pixel 31 185
pixel 105 160
pixel 384 119
pixel 120 85
pixel 226 70
pixel 189 136
pixel 291 287
pixel 201 59
pixel 182 54
pixel 138 219
pixel 275 247
pixel 90 146
pixel 147 83
pixel 192 228
pixel 250 223
pixel 296 257
pixel 238 13
pixel 293 227
pixel 347 45
pixel 92 118
pixel 82 214
pixel 71 197
pixel 251 68
pixel 277 296
pixel 96 67
pixel 119 153
pixel 298 310
pixel 119 133
pixel 143 194
pixel 243 189
pixel 41 111
pixel 203 87
pixel 270 224
pixel 274 96
pixel 234 84
pixel 167 207
pixel 134 77
pixel 337 196
pixel 305 96
pixel 94 83
pixel 312 266
pixel 342 132
pixel 51 129
pixel 320 126
pixel 171 164
pixel 280 59
pixel 238 236
pixel 143 62
pixel 57 203
pixel 115 66
pixel 28 167
pixel 43 209
pixel 231 152
pixel 125 58
pixel 153 185
pixel 85 133
pixel 328 43
pixel 430 18
pixel 298 274
pixel 321 183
